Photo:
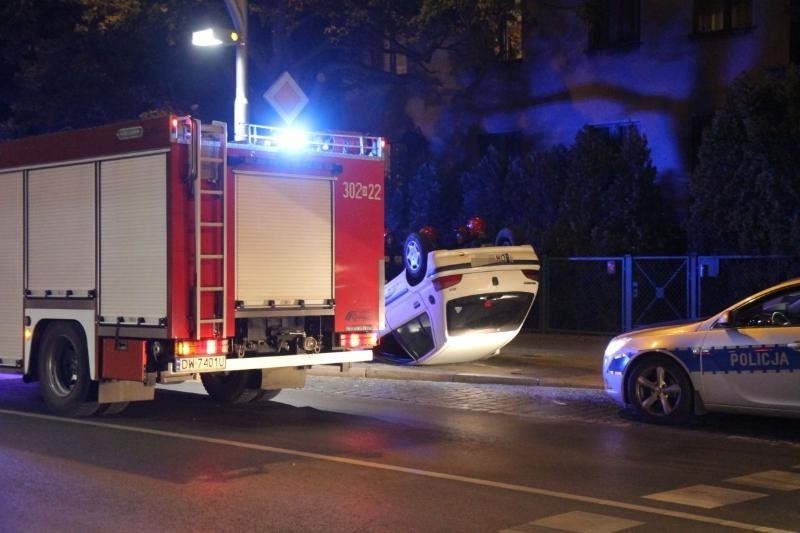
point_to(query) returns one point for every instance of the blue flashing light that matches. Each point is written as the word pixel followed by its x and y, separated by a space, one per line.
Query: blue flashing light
pixel 292 139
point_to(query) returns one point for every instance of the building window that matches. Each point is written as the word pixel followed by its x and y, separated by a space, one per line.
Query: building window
pixel 508 41
pixel 617 131
pixel 394 62
pixel 711 16
pixel 613 23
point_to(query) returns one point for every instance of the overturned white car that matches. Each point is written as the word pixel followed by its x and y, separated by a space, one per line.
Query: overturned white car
pixel 455 306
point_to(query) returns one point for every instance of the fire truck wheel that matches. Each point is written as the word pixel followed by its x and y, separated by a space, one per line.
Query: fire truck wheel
pixel 233 387
pixel 269 394
pixel 112 408
pixel 505 237
pixel 415 257
pixel 64 371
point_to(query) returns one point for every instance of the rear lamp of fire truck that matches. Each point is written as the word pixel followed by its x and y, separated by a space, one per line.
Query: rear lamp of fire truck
pixel 362 339
pixel 201 347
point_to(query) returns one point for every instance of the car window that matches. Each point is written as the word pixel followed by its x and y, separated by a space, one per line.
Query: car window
pixel 774 310
pixel 415 336
pixel 486 313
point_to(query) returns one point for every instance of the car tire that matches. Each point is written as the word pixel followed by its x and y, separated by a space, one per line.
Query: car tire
pixel 506 237
pixel 63 368
pixel 659 390
pixel 415 258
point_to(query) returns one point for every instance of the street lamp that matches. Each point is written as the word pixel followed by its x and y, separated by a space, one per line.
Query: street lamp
pixel 237 37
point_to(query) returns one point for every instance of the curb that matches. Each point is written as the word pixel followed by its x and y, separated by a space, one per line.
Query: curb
pixel 365 371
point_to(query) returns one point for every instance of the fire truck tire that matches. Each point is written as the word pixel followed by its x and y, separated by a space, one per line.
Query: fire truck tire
pixel 269 394
pixel 112 408
pixel 63 367
pixel 233 387
pixel 415 257
pixel 506 237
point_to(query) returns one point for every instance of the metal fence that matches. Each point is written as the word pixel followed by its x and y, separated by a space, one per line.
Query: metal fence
pixel 613 294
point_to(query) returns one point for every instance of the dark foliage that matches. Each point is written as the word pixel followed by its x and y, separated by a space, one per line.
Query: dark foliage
pixel 745 191
pixel 597 197
pixel 611 204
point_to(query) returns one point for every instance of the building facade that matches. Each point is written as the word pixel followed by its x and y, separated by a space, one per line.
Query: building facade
pixel 656 65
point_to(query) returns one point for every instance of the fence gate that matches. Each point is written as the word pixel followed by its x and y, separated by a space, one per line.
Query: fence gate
pixel 614 294
pixel 660 290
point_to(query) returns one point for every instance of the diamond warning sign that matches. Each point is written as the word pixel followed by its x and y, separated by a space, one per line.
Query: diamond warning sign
pixel 286 97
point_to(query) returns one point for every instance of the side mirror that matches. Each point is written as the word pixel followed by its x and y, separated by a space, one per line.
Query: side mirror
pixel 725 320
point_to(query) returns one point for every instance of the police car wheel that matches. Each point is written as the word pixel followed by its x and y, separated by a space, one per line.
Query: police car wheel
pixel 659 390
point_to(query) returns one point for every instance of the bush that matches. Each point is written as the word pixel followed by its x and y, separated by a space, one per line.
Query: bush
pixel 745 190
pixel 425 199
pixel 482 189
pixel 532 193
pixel 611 204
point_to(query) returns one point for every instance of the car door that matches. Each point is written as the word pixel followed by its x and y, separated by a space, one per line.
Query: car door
pixel 407 319
pixel 754 360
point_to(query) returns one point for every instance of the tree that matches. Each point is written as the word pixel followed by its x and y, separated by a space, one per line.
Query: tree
pixel 425 198
pixel 84 62
pixel 482 190
pixel 611 204
pixel 532 194
pixel 745 190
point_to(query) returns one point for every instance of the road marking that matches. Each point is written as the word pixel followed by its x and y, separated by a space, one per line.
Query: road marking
pixel 705 496
pixel 578 522
pixel 524 489
pixel 770 479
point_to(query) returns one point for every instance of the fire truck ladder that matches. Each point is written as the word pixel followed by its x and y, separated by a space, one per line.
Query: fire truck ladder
pixel 210 232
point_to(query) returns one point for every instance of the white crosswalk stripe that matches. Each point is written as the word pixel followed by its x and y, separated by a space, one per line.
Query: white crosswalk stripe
pixel 705 496
pixel 577 522
pixel 770 479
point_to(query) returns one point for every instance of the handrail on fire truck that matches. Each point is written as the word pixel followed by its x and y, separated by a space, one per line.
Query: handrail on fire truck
pixel 276 138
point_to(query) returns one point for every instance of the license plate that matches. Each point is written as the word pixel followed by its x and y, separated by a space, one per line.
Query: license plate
pixel 210 363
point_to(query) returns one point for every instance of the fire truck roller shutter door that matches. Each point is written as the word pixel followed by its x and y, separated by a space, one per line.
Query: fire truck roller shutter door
pixel 284 226
pixel 11 261
pixel 61 230
pixel 133 239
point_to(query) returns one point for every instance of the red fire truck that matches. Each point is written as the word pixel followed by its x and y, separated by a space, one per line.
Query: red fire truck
pixel 155 251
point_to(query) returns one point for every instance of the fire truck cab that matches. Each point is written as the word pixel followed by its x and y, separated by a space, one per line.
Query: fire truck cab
pixel 154 251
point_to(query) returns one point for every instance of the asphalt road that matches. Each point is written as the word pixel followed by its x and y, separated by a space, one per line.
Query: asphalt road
pixel 383 455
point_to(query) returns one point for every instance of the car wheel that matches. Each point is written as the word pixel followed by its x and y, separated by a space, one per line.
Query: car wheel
pixel 415 258
pixel 64 379
pixel 659 390
pixel 233 387
pixel 505 237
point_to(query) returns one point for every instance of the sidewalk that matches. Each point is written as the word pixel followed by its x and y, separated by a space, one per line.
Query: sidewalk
pixel 544 359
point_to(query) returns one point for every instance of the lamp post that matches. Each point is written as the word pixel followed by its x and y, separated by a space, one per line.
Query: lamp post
pixel 237 9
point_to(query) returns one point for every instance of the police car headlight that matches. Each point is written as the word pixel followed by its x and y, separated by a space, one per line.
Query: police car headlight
pixel 615 346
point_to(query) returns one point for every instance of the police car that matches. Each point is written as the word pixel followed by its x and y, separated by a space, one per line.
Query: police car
pixel 455 306
pixel 745 359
